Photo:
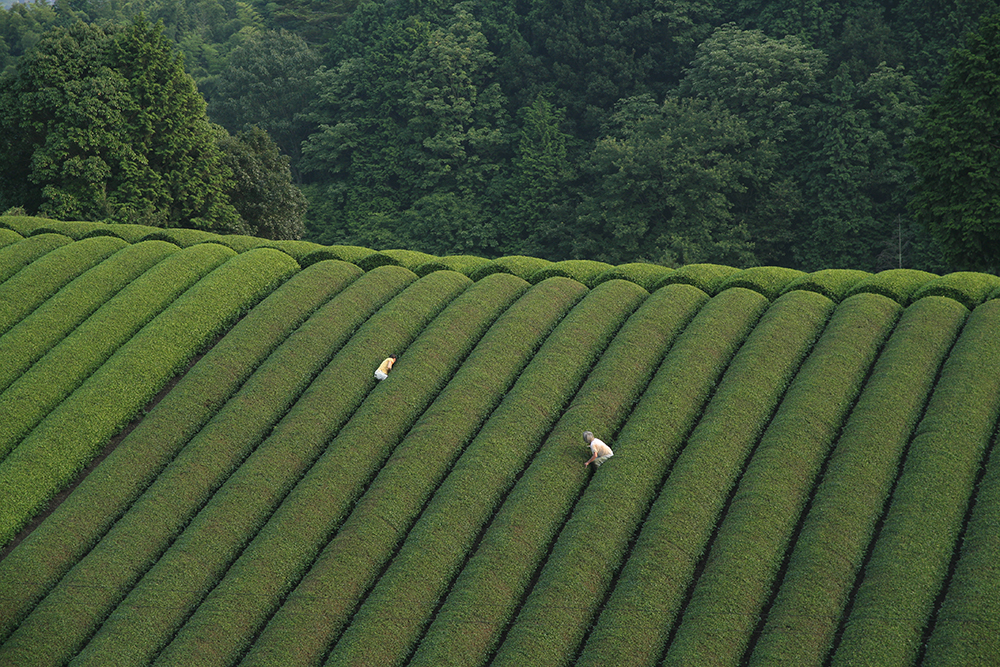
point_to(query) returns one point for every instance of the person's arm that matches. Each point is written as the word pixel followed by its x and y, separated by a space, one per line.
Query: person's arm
pixel 592 459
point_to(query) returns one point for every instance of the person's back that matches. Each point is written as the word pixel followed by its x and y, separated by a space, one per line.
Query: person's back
pixel 382 372
pixel 600 452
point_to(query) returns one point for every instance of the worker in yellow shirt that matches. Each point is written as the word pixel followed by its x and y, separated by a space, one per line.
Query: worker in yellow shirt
pixel 382 372
pixel 600 450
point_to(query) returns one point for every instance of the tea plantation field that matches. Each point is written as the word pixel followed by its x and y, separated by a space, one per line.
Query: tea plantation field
pixel 197 466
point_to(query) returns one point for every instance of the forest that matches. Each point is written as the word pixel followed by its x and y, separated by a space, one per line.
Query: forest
pixel 808 134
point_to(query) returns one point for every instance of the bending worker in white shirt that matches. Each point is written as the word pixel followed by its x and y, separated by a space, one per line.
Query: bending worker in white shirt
pixel 600 450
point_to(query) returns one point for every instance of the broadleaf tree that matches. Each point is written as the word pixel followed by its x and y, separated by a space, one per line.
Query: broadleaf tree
pixel 957 154
pixel 104 123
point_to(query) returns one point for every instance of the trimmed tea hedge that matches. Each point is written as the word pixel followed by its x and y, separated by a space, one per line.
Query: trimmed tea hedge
pixel 640 611
pixel 136 541
pixel 748 550
pixel 913 552
pixel 66 366
pixel 399 605
pixel 157 605
pixel 801 625
pixel 25 343
pixel 345 568
pixel 76 525
pixel 16 256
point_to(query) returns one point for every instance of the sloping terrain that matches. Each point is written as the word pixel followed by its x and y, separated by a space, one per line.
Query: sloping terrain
pixel 197 466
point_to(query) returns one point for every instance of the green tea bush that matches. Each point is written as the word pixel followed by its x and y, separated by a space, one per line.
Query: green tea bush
pixel 38 282
pixel 647 276
pixel 594 539
pixel 67 365
pixel 834 284
pixel 400 604
pixel 584 271
pixel 185 238
pixel 16 256
pixel 750 544
pixel 171 591
pixel 771 281
pixel 104 495
pixel 896 284
pixel 35 335
pixel 639 613
pixel 60 446
pixel 967 627
pixel 188 481
pixel 266 571
pixel 968 288
pixel 706 277
pixel 9 236
pixel 128 233
pixel 912 555
pixel 521 265
pixel 346 567
pixel 832 543
pixel 411 259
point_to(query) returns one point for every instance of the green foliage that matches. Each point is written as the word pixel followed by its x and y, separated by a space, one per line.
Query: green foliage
pixel 266 83
pixel 50 322
pixel 897 284
pixel 770 281
pixel 40 280
pixel 644 203
pixel 136 632
pixel 966 629
pixel 58 449
pixel 911 558
pixel 832 543
pixel 582 270
pixel 706 277
pixel 751 540
pixel 482 478
pixel 15 256
pixel 105 495
pixel 640 611
pixel 956 158
pixel 104 123
pixel 262 190
pixel 521 330
pixel 834 284
pixel 968 288
pixel 66 366
pixel 492 580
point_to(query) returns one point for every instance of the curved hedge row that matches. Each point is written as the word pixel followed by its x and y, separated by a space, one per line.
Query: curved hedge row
pixel 902 285
pixel 68 365
pixel 171 591
pixel 638 615
pixel 399 606
pixel 746 555
pixel 826 558
pixel 16 256
pixel 36 283
pixel 367 537
pixel 26 342
pixel 184 486
pixel 912 555
pixel 967 627
pixel 485 597
pixel 551 625
pixel 346 567
pixel 31 570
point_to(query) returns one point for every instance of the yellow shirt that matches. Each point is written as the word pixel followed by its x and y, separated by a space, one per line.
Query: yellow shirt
pixel 386 365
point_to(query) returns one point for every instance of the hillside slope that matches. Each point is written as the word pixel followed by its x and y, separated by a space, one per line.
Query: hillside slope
pixel 197 466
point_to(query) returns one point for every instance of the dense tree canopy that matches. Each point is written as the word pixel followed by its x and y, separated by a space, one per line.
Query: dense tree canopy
pixel 738 131
pixel 105 123
pixel 957 155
